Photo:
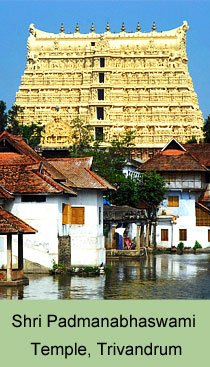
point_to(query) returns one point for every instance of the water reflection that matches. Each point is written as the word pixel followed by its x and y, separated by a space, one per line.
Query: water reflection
pixel 154 277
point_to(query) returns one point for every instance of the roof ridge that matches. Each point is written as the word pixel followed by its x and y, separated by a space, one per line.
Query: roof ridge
pixel 98 178
pixel 49 180
pixel 16 141
pixel 197 160
pixel 53 183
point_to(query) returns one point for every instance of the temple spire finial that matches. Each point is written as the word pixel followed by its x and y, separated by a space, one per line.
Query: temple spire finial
pixel 77 28
pixel 62 28
pixel 123 27
pixel 92 29
pixel 107 27
pixel 154 26
pixel 138 28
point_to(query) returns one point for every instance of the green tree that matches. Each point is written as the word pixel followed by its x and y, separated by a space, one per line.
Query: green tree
pixel 3 116
pixel 152 190
pixel 126 193
pixel 108 162
pixel 31 132
pixel 81 135
pixel 192 140
pixel 206 130
pixel 14 126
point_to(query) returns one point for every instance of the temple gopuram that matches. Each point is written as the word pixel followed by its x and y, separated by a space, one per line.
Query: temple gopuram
pixel 112 82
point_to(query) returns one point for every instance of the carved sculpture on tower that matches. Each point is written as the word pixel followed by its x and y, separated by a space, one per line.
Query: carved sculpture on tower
pixel 110 81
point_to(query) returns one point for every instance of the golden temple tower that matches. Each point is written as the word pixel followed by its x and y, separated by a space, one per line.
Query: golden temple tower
pixel 111 81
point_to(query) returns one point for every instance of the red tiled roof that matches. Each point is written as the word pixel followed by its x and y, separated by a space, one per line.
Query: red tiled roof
pixel 20 148
pixel 23 179
pixel 9 223
pixel 79 174
pixel 201 152
pixel 5 194
pixel 173 160
pixel 24 171
pixel 205 196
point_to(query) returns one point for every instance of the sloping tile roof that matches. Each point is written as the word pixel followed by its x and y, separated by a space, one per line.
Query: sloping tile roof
pixel 79 174
pixel 24 180
pixel 201 152
pixel 5 194
pixel 173 160
pixel 9 223
pixel 24 171
pixel 205 196
pixel 20 149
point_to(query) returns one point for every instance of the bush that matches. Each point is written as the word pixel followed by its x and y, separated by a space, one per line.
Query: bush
pixel 197 245
pixel 180 246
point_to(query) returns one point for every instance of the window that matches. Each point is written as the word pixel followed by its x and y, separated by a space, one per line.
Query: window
pixel 100 94
pixel 66 214
pixel 102 62
pixel 78 215
pixel 164 234
pixel 72 215
pixel 182 235
pixel 101 78
pixel 92 43
pixel 99 133
pixel 173 201
pixel 208 235
pixel 100 113
pixel 33 198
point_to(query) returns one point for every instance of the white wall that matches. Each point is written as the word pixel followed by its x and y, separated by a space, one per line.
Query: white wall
pixel 41 247
pixel 87 240
pixel 186 219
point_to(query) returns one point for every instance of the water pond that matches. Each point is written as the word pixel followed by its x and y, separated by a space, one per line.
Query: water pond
pixel 155 277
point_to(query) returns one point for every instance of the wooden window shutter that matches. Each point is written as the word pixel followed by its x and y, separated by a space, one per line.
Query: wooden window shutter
pixel 78 215
pixel 183 235
pixel 66 214
pixel 164 234
pixel 202 217
pixel 173 201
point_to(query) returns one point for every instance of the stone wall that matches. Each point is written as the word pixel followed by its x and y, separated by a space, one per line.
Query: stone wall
pixel 64 251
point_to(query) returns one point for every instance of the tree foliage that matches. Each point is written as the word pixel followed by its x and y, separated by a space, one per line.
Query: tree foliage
pixel 10 121
pixel 81 134
pixel 126 193
pixel 108 162
pixel 192 140
pixel 3 116
pixel 152 190
pixel 206 130
pixel 13 125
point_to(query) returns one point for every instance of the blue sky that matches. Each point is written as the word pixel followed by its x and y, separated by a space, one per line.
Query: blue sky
pixel 16 16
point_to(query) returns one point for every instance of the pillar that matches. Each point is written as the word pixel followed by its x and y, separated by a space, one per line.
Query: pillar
pixel 108 239
pixel 113 228
pixel 147 233
pixel 9 257
pixel 138 231
pixel 20 251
